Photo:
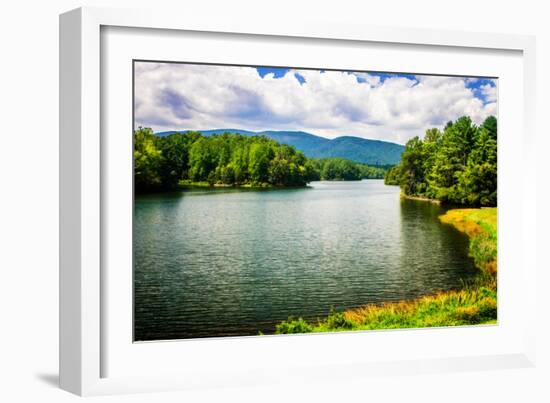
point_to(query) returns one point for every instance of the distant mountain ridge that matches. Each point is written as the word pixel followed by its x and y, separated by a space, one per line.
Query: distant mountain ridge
pixel 373 152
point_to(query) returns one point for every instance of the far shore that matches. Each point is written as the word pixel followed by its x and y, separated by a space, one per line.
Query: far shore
pixel 420 198
pixel 186 184
pixel 189 185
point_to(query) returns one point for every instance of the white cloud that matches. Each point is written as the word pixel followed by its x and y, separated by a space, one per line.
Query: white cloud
pixel 490 92
pixel 330 104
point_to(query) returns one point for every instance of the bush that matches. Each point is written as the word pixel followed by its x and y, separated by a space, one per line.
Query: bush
pixel 469 314
pixel 293 325
pixel 337 320
pixel 488 309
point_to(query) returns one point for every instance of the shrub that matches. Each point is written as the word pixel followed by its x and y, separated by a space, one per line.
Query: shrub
pixel 337 320
pixel 488 308
pixel 469 314
pixel 293 325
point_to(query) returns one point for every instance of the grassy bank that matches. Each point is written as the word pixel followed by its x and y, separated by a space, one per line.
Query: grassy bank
pixel 475 303
pixel 481 227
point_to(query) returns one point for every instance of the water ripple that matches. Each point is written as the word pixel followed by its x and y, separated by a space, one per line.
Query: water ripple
pixel 230 263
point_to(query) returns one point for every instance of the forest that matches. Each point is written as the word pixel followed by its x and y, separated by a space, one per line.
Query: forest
pixel 229 159
pixel 457 165
pixel 341 169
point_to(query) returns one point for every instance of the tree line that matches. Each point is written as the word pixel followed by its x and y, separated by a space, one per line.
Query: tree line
pixel 166 163
pixel 457 165
pixel 341 169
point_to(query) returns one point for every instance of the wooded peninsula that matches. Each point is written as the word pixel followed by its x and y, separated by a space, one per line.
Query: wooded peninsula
pixel 192 159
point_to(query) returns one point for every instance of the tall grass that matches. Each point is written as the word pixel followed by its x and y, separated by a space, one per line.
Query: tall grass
pixel 481 226
pixel 475 303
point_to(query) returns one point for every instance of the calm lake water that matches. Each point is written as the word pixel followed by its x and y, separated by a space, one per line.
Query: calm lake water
pixel 235 262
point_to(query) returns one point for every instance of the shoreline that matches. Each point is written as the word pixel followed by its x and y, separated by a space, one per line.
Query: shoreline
pixel 206 185
pixel 188 185
pixel 420 198
pixel 473 304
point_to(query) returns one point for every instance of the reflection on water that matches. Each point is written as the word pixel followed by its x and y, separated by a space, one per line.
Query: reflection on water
pixel 234 262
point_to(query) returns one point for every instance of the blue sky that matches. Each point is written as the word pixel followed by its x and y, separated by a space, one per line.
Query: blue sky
pixel 385 106
pixel 474 84
pixel 477 87
pixel 279 72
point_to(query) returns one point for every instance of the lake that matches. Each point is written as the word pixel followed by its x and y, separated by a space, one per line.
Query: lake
pixel 233 262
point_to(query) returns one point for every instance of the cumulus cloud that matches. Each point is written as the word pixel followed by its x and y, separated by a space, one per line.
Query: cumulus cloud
pixel 171 96
pixel 490 92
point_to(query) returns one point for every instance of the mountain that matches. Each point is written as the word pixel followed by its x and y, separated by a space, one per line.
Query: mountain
pixel 374 152
pixel 361 150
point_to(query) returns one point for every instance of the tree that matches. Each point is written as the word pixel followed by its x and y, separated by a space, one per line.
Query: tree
pixel 167 162
pixel 279 171
pixel 175 151
pixel 393 176
pixel 412 178
pixel 202 160
pixel 490 124
pixel 258 164
pixel 147 161
pixel 451 159
pixel 458 165
pixel 478 182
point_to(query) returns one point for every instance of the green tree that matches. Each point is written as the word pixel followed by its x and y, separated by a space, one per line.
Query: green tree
pixel 166 162
pixel 430 146
pixel 458 165
pixel 451 159
pixel 478 182
pixel 175 152
pixel 147 161
pixel 393 176
pixel 202 160
pixel 258 166
pixel 279 171
pixel 412 175
pixel 490 124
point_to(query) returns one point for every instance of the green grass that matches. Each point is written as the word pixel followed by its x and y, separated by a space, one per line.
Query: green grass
pixel 481 226
pixel 474 304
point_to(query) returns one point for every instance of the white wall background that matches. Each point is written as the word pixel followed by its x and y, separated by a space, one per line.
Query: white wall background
pixel 29 196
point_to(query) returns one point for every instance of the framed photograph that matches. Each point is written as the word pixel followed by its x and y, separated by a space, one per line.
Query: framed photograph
pixel 242 204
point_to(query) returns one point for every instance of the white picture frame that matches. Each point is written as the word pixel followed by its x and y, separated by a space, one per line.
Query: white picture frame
pixel 83 310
